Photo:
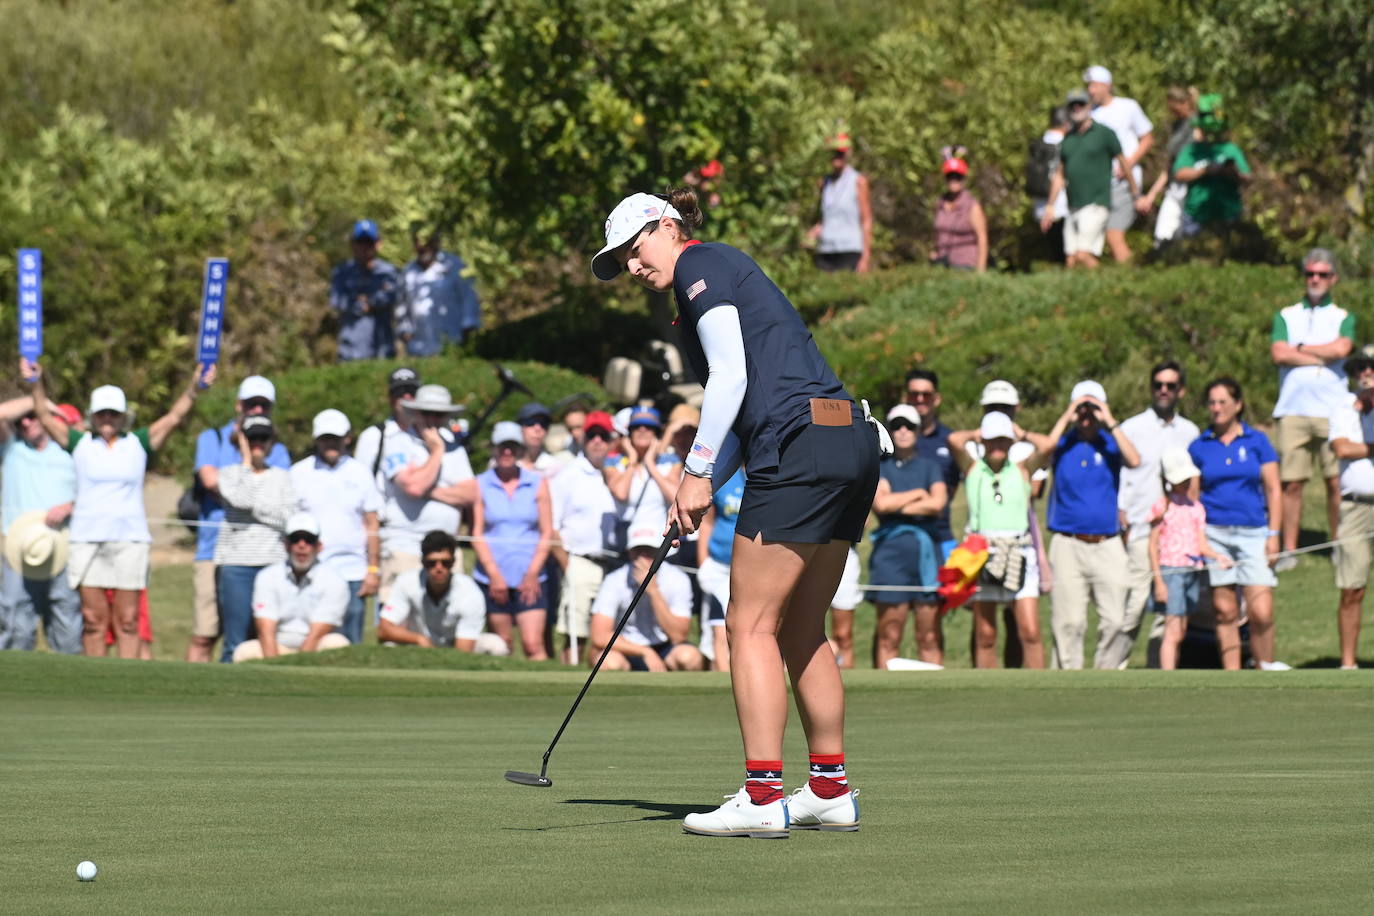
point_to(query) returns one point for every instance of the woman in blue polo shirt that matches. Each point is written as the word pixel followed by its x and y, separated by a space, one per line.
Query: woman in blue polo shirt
pixel 1241 493
pixel 812 463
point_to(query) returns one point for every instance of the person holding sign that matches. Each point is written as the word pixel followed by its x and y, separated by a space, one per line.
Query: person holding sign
pixel 109 526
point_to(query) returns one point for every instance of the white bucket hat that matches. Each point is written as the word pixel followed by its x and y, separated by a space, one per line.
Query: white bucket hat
pixel 625 222
pixel 1178 465
pixel 433 399
pixel 33 549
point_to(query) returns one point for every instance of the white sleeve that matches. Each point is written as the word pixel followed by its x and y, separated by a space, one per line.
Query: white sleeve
pixel 467 599
pixel 1345 424
pixel 264 595
pixel 607 602
pixel 333 603
pixel 722 342
pixel 1140 122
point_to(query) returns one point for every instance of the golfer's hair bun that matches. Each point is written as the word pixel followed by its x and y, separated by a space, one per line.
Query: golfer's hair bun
pixel 684 200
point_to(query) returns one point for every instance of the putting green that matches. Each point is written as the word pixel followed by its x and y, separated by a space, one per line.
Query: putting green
pixel 278 788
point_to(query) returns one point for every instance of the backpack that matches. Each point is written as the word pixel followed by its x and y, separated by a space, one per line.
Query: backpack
pixel 1041 162
pixel 188 504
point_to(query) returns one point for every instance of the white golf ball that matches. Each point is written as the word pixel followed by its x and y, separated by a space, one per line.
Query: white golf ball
pixel 86 871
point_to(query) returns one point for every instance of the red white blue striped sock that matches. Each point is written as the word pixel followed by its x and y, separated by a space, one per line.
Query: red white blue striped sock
pixel 763 780
pixel 827 775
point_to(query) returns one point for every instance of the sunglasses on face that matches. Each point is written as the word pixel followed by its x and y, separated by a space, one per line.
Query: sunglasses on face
pixel 259 440
pixel 1164 386
pixel 508 446
pixel 600 434
pixel 405 394
pixel 302 537
pixel 920 395
pixel 901 424
pixel 953 176
pixel 436 562
pixel 1319 274
pixel 259 404
pixel 28 418
pixel 997 491
pixel 538 421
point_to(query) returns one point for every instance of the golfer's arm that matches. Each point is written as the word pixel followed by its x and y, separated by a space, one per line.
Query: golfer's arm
pixel 722 342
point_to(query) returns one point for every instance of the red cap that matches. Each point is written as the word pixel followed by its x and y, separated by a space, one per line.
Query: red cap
pixel 69 414
pixel 840 143
pixel 600 420
pixel 712 169
pixel 955 166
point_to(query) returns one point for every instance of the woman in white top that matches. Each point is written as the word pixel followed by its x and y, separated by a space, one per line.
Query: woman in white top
pixel 109 526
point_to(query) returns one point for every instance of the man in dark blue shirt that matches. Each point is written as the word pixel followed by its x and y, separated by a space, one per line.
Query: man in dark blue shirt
pixel 923 393
pixel 364 291
pixel 1086 551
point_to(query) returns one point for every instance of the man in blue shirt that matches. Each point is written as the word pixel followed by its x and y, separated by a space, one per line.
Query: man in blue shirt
pixel 1086 552
pixel 364 291
pixel 437 303
pixel 39 477
pixel 215 449
pixel 923 393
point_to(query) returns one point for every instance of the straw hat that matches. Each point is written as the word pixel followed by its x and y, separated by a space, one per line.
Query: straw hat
pixel 35 550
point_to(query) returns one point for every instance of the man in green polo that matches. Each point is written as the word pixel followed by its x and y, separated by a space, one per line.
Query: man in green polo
pixel 1086 155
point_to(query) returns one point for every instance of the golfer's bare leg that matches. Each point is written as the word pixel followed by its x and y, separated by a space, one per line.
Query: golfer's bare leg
pixel 816 681
pixel 762 578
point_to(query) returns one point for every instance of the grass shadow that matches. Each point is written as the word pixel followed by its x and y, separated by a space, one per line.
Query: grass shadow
pixel 1330 661
pixel 664 812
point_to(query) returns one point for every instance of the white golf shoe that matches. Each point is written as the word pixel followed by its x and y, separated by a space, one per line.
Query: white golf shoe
pixel 808 811
pixel 739 816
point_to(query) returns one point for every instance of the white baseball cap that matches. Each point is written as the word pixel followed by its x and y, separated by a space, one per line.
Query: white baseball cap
pixel 329 422
pixel 644 537
pixel 996 425
pixel 507 431
pixel 302 521
pixel 626 221
pixel 905 412
pixel 1178 465
pixel 1096 74
pixel 1088 389
pixel 109 397
pixel 1000 392
pixel 255 386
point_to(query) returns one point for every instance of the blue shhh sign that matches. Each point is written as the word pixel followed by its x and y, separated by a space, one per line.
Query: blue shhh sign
pixel 30 303
pixel 212 309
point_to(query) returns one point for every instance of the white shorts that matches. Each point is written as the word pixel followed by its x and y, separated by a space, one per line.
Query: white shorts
pixel 580 584
pixel 1030 582
pixel 108 564
pixel 1086 230
pixel 848 595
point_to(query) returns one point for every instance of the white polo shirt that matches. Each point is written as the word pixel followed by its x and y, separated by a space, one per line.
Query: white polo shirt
pixel 1128 121
pixel 338 497
pixel 1141 487
pixel 109 487
pixel 407 519
pixel 1357 477
pixel 459 614
pixel 584 511
pixel 320 596
pixel 1312 391
pixel 642 628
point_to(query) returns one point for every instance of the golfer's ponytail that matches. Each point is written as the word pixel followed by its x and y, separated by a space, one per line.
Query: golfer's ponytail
pixel 684 201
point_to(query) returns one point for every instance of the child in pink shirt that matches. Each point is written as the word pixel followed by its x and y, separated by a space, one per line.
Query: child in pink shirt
pixel 1178 547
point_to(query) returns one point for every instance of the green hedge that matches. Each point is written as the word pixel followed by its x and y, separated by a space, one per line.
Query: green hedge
pixel 359 390
pixel 1045 331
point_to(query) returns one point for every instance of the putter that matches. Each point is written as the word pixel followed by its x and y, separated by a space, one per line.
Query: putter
pixel 542 780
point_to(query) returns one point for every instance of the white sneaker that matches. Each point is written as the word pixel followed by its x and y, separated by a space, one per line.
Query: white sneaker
pixel 739 816
pixel 809 811
pixel 1274 666
pixel 1350 667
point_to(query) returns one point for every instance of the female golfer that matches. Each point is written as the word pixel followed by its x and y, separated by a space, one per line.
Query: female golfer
pixel 812 466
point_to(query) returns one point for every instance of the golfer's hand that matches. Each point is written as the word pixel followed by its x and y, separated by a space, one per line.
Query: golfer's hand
pixel 689 505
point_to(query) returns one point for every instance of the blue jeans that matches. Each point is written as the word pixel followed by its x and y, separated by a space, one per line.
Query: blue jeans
pixel 353 615
pixel 24 601
pixel 236 606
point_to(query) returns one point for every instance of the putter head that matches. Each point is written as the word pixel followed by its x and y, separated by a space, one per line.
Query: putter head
pixel 528 779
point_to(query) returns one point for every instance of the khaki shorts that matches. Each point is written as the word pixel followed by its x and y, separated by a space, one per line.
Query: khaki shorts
pixel 1086 230
pixel 580 584
pixel 251 649
pixel 1352 557
pixel 108 564
pixel 205 596
pixel 1300 439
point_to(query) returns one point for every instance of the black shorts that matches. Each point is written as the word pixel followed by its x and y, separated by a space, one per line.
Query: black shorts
pixel 663 650
pixel 832 261
pixel 820 491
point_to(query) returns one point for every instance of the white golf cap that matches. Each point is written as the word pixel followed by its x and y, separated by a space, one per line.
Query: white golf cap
pixel 329 422
pixel 302 521
pixel 621 421
pixel 905 412
pixel 996 425
pixel 1096 74
pixel 109 397
pixel 507 431
pixel 1088 389
pixel 255 386
pixel 644 537
pixel 1178 465
pixel 625 222
pixel 1000 392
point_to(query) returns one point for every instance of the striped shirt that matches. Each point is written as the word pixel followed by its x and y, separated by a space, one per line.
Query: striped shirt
pixel 256 507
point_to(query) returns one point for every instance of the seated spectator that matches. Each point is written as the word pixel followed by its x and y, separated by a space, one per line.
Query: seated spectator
pixel 906 548
pixel 258 500
pixel 437 302
pixel 110 540
pixel 1352 431
pixel 1214 169
pixel 998 486
pixel 298 603
pixel 364 291
pixel 534 419
pixel 655 636
pixel 961 228
pixel 512 526
pixel 434 606
pixel 339 492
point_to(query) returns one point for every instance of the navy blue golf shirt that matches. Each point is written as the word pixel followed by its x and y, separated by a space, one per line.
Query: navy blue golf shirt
pixel 1087 473
pixel 936 447
pixel 1232 491
pixel 784 369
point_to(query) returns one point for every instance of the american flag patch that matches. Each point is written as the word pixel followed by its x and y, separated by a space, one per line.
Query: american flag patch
pixel 703 451
pixel 696 289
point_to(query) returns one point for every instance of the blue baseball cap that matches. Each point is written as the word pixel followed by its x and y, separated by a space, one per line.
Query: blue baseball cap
pixel 645 416
pixel 365 229
pixel 531 412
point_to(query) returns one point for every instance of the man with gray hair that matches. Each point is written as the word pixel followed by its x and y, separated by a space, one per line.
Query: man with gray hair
pixel 1310 341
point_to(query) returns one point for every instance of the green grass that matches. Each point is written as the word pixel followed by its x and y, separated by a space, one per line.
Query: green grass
pixel 266 788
